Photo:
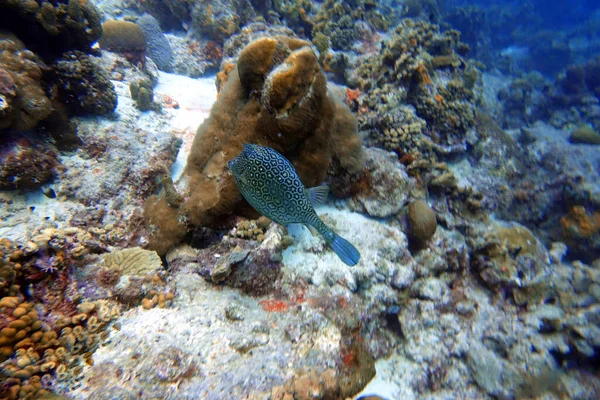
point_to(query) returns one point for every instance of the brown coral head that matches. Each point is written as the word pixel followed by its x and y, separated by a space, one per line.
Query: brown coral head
pixel 423 222
pixel 108 277
pixel 122 37
pixel 7 84
pixel 291 82
pixel 257 59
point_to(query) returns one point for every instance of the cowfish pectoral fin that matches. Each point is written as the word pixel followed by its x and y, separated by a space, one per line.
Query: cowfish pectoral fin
pixel 318 195
pixel 344 250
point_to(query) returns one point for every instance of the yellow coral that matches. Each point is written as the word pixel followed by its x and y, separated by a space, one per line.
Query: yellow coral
pixel 134 261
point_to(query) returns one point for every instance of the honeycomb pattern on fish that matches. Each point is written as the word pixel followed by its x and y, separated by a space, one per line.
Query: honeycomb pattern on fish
pixel 269 182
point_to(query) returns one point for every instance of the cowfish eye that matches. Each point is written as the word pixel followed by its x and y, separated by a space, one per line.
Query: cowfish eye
pixel 249 150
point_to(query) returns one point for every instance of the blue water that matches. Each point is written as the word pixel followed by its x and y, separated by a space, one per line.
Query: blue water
pixel 547 35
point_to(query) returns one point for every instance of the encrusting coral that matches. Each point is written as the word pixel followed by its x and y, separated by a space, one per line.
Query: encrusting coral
pixel 276 97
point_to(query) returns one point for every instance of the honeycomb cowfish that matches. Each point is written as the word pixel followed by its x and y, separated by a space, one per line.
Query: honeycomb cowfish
pixel 269 182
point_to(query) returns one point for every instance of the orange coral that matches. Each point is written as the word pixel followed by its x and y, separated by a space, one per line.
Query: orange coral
pixel 273 305
pixel 439 99
pixel 352 95
pixel 407 159
pixel 422 75
pixel 223 76
pixel 579 224
pixel 212 51
pixel 327 62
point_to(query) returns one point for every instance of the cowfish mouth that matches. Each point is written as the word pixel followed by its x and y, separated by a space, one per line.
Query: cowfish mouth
pixel 237 160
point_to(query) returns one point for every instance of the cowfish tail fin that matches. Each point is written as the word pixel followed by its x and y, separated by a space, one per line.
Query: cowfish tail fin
pixel 318 194
pixel 345 250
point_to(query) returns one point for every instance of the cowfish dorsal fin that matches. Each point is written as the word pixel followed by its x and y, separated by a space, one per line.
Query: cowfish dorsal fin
pixel 318 194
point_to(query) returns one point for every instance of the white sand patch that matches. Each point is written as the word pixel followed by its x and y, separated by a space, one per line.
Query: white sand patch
pixel 195 98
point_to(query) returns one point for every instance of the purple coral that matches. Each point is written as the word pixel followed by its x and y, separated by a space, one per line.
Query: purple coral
pixel 47 264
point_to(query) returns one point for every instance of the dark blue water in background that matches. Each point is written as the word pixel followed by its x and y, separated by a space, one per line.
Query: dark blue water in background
pixel 545 36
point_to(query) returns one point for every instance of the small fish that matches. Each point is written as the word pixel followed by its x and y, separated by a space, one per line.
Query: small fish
pixel 269 182
pixel 49 193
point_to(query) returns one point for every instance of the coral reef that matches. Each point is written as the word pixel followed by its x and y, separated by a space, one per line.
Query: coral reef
pixel 567 102
pixel 45 78
pixel 128 273
pixel 23 101
pixel 26 164
pixel 158 47
pixel 423 67
pixel 277 97
pixel 216 21
pixel 51 337
pixel 82 86
pixel 50 28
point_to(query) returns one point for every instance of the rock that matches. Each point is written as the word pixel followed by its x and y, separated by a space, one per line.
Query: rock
pixel 585 135
pixel 491 373
pixel 432 289
pixel 389 185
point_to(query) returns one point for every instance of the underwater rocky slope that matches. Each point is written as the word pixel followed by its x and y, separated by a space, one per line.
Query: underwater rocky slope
pixel 131 267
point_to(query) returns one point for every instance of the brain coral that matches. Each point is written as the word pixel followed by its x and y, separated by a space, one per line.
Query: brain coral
pixel 159 48
pixel 423 223
pixel 276 96
pixel 123 37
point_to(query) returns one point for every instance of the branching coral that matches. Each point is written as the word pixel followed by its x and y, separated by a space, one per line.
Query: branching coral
pixel 423 67
pixel 276 97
